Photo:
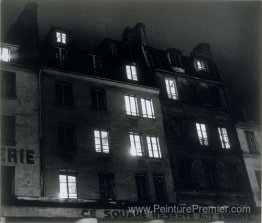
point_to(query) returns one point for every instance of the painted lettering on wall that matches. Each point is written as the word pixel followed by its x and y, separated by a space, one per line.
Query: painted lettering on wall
pixel 14 155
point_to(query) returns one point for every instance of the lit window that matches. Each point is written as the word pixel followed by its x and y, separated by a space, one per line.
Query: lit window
pixel 67 185
pixel 131 72
pixel 4 54
pixel 136 146
pixel 147 108
pixel 101 141
pixel 171 89
pixel 202 134
pixel 224 138
pixel 153 147
pixel 61 37
pixel 131 105
pixel 201 65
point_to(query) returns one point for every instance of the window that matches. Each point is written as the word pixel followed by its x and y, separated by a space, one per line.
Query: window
pixel 131 72
pixel 153 147
pixel 98 96
pixel 8 130
pixel 101 141
pixel 160 188
pixel 66 138
pixel 250 137
pixel 8 84
pixel 107 186
pixel 171 88
pixel 64 93
pixel 202 134
pixel 258 176
pixel 7 181
pixel 215 95
pixel 136 145
pixel 61 37
pixel 94 63
pixel 201 65
pixel 60 56
pixel 224 138
pixel 147 108
pixel 113 49
pixel 142 187
pixel 4 54
pixel 131 105
pixel 67 184
pixel 175 59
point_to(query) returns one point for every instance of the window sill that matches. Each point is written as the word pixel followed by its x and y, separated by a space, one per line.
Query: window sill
pixel 147 158
pixel 104 155
pixel 12 143
pixel 133 116
pixel 9 97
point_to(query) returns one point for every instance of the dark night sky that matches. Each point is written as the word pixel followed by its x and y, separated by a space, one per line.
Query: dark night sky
pixel 233 29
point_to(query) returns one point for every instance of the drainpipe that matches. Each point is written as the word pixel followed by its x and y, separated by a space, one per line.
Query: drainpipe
pixel 41 151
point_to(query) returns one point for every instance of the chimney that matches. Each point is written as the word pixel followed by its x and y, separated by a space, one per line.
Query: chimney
pixel 135 36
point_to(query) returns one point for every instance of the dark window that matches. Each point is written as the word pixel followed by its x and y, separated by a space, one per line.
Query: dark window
pixel 160 188
pixel 185 174
pixel 258 176
pixel 178 128
pixel 66 138
pixel 107 186
pixel 113 49
pixel 142 187
pixel 64 93
pixel 8 130
pixel 60 56
pixel 98 96
pixel 175 59
pixel 235 177
pixel 7 181
pixel 193 94
pixel 250 137
pixel 8 84
pixel 216 101
pixel 211 174
pixel 94 63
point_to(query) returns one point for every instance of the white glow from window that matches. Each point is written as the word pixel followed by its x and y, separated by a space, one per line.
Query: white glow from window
pixel 101 141
pixel 201 65
pixel 171 89
pixel 61 37
pixel 153 147
pixel 135 142
pixel 5 54
pixel 224 138
pixel 131 105
pixel 147 108
pixel 202 134
pixel 131 72
pixel 67 185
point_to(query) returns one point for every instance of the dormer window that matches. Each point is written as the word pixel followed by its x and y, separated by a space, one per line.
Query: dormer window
pixel 201 65
pixel 94 63
pixel 131 72
pixel 60 37
pixel 174 59
pixel 113 49
pixel 5 54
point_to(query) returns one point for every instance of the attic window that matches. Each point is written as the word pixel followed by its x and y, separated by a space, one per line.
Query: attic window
pixel 4 54
pixel 61 37
pixel 174 59
pixel 131 72
pixel 201 65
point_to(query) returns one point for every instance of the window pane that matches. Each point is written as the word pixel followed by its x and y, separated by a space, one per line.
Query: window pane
pixel 202 134
pixel 153 147
pixel 5 54
pixel 171 88
pixel 135 143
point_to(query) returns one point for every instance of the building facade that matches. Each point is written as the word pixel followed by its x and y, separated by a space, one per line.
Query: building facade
pixel 249 137
pixel 121 126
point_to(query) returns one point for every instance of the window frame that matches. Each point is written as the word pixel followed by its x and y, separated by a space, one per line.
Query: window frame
pixel 160 198
pixel 101 145
pixel 201 64
pixel 150 148
pixel 224 138
pixel 61 84
pixel 8 81
pixel 67 174
pixel 108 184
pixel 3 56
pixel 96 93
pixel 177 62
pixel 145 111
pixel 131 72
pixel 171 91
pixel 252 146
pixel 61 37
pixel 136 151
pixel 203 140
pixel 65 147
pixel 128 105
pixel 143 194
